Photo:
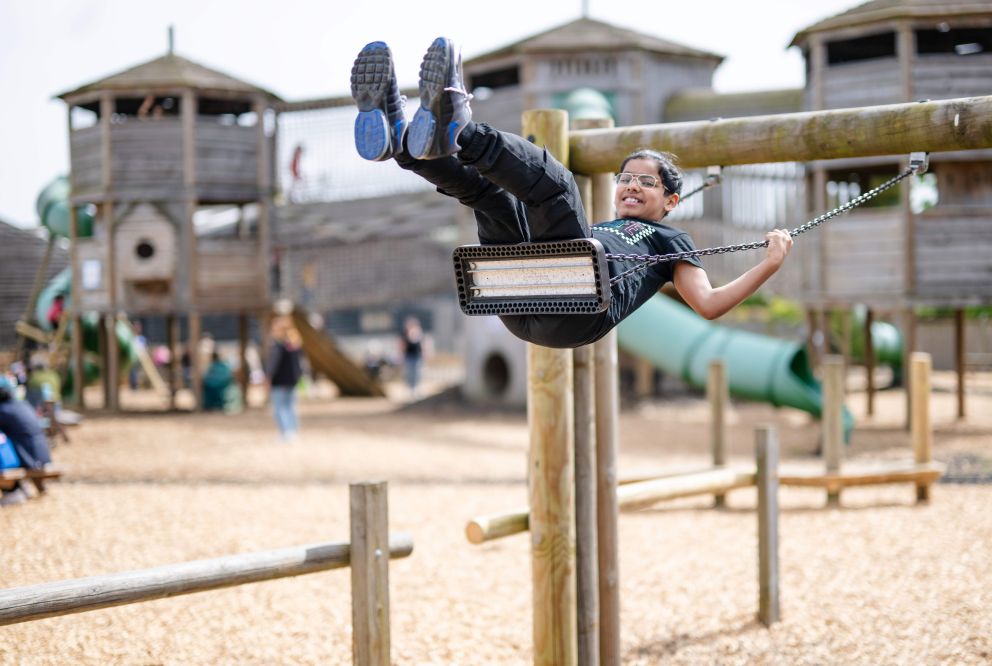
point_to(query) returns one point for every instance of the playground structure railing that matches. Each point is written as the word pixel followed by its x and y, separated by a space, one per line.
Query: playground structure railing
pixel 367 555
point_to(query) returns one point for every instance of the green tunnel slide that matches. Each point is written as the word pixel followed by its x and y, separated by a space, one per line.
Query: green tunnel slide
pixel 676 340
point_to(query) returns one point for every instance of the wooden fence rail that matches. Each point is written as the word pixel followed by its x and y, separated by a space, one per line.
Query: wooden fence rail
pixel 34 602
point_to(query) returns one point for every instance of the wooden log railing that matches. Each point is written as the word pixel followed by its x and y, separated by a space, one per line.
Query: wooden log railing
pixel 894 129
pixel 370 601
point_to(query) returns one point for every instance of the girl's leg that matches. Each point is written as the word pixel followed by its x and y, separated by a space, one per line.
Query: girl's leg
pixel 532 175
pixel 501 217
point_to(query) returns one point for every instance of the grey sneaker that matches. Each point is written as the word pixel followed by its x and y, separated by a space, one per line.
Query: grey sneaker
pixel 380 124
pixel 444 111
pixel 12 497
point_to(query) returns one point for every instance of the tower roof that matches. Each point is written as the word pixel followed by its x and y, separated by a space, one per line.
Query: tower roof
pixel 169 71
pixel 876 11
pixel 585 35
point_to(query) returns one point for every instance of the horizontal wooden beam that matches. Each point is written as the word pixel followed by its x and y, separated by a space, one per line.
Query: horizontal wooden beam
pixel 925 473
pixel 896 129
pixel 35 602
pixel 633 495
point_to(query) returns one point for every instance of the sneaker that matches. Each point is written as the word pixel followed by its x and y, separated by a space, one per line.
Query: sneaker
pixel 380 124
pixel 444 111
pixel 12 497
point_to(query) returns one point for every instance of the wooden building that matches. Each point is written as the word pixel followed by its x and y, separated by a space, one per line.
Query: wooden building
pixel 901 253
pixel 22 253
pixel 151 147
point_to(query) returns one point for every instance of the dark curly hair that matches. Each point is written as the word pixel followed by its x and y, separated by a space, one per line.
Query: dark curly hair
pixel 671 174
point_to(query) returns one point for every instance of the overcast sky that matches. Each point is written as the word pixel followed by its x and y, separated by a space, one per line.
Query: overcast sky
pixel 303 49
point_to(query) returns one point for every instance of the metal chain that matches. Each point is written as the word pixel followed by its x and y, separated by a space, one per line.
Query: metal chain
pixel 648 260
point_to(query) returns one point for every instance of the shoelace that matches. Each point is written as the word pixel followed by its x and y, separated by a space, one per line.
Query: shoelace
pixel 461 91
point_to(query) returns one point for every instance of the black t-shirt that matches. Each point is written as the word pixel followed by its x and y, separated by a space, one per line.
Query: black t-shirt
pixel 624 236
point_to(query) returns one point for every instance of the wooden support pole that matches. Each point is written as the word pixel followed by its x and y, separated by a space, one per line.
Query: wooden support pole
pixel 193 349
pixel 113 376
pixel 959 356
pixel 78 359
pixel 175 358
pixel 369 574
pixel 894 129
pixel 245 375
pixel 921 428
pixel 551 477
pixel 608 509
pixel 766 458
pixel 586 551
pixel 869 363
pixel 909 346
pixel 718 396
pixel 833 419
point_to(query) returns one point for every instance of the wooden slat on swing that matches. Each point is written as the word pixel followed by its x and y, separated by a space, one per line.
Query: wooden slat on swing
pixel 558 277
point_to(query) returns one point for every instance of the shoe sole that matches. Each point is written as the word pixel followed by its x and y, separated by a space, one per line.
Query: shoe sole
pixel 422 135
pixel 370 80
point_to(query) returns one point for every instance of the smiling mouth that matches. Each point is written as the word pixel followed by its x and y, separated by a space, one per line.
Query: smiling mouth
pixel 630 201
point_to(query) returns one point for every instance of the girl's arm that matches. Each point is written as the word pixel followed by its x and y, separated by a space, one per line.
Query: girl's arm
pixel 695 289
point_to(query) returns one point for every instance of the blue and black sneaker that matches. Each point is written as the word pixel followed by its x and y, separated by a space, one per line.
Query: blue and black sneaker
pixel 380 124
pixel 444 111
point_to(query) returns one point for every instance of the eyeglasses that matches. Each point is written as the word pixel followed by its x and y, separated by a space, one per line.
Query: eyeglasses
pixel 643 179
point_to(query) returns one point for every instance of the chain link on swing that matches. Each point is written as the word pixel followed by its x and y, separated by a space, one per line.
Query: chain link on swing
pixel 917 164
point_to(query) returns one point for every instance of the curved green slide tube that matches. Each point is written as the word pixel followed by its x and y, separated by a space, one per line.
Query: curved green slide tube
pixel 676 340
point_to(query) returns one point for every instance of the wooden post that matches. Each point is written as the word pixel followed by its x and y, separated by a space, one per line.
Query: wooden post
pixel 717 395
pixel 766 457
pixel 812 344
pixel 369 574
pixel 909 346
pixel 959 356
pixel 921 429
pixel 193 349
pixel 175 364
pixel 243 356
pixel 78 365
pixel 551 477
pixel 833 419
pixel 113 377
pixel 870 362
pixel 586 550
pixel 607 513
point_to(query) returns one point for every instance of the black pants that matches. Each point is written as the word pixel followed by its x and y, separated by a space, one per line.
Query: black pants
pixel 520 193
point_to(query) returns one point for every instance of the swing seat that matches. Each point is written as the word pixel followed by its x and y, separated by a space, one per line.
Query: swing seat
pixel 557 277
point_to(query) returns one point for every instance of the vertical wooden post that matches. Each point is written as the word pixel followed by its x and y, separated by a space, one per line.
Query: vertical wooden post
pixel 586 551
pixel 959 356
pixel 870 362
pixel 845 336
pixel 175 364
pixel 833 419
pixel 113 377
pixel 717 395
pixel 812 345
pixel 243 355
pixel 193 349
pixel 369 574
pixel 104 358
pixel 75 294
pixel 766 458
pixel 78 365
pixel 551 477
pixel 607 512
pixel 909 346
pixel 921 428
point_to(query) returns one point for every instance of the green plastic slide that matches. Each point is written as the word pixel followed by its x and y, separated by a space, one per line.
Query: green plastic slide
pixel 676 340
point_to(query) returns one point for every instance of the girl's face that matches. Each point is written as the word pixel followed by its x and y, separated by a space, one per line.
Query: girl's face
pixel 633 199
